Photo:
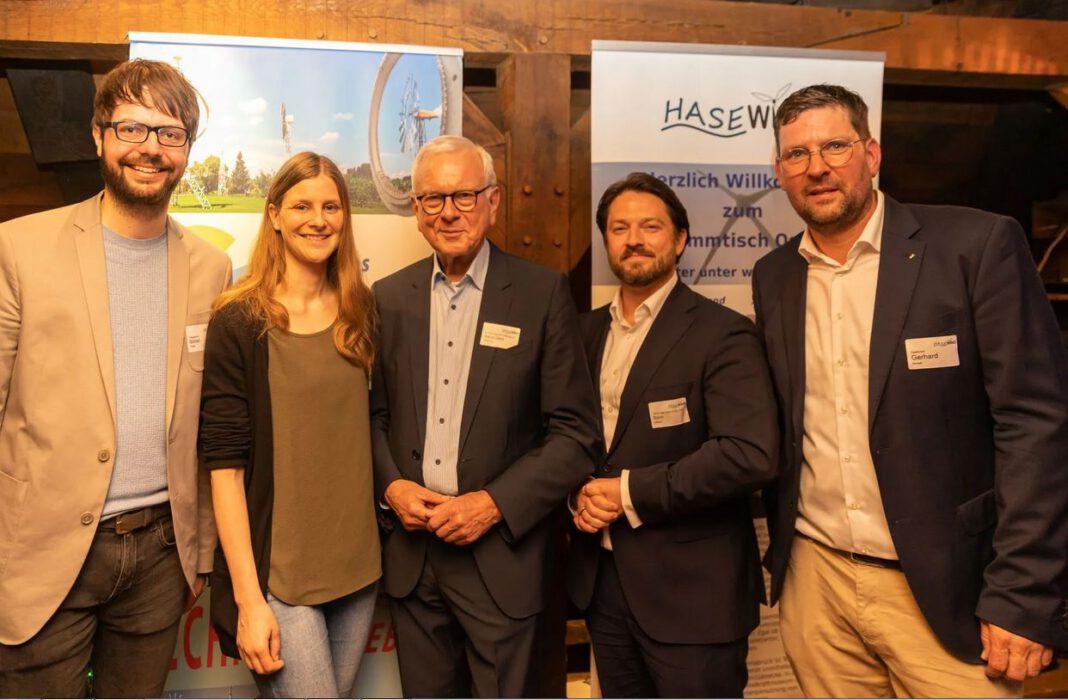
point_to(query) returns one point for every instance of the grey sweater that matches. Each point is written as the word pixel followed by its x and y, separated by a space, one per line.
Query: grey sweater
pixel 137 301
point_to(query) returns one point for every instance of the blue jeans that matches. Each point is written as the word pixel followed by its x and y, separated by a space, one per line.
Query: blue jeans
pixel 322 646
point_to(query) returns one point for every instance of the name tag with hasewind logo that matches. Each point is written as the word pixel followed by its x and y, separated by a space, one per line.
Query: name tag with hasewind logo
pixel 932 353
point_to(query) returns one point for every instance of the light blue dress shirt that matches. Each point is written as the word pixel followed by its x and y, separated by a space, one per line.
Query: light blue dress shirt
pixel 454 311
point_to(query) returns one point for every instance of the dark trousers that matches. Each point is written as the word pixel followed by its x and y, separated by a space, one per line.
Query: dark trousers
pixel 452 639
pixel 120 620
pixel 631 664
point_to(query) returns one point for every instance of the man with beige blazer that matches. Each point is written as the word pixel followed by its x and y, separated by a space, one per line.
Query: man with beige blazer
pixel 105 526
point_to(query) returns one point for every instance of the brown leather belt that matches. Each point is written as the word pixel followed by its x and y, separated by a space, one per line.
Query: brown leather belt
pixel 134 520
pixel 865 559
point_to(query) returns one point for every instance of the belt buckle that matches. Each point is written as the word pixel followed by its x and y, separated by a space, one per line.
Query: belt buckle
pixel 126 523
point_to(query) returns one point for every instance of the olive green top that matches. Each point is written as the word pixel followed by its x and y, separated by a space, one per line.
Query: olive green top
pixel 324 538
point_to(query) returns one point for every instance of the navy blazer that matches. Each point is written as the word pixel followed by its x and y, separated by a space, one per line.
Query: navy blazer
pixel 971 460
pixel 691 572
pixel 528 434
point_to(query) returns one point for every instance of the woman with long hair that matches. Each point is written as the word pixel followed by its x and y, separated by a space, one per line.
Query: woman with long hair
pixel 285 435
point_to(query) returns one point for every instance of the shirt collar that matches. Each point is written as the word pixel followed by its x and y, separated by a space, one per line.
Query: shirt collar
pixel 871 237
pixel 476 272
pixel 648 308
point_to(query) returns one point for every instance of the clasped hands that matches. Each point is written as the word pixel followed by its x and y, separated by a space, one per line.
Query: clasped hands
pixel 460 520
pixel 598 504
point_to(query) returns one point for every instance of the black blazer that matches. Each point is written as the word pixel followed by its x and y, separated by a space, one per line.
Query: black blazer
pixel 691 572
pixel 972 461
pixel 528 433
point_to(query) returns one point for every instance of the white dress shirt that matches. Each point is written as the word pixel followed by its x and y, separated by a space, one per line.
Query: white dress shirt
pixel 840 504
pixel 620 349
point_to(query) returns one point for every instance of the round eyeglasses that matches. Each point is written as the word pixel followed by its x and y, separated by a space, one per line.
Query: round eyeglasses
pixel 463 200
pixel 834 153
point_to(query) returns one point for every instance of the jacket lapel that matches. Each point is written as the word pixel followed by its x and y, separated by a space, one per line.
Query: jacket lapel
pixel 899 268
pixel 177 303
pixel 496 302
pixel 671 323
pixel 418 336
pixel 792 306
pixel 89 243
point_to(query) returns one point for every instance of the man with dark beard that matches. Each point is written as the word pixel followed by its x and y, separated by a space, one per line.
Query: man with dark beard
pixel 919 525
pixel 106 530
pixel 666 562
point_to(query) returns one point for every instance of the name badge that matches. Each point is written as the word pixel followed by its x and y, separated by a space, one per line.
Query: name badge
pixel 669 413
pixel 931 353
pixel 494 335
pixel 194 337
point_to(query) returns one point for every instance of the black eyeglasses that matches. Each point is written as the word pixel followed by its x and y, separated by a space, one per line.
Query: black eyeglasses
pixel 136 132
pixel 835 153
pixel 463 200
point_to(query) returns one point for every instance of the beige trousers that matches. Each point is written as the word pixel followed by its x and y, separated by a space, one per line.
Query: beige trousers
pixel 854 630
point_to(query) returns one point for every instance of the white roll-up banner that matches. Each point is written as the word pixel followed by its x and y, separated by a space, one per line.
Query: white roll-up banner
pixel 699 118
pixel 369 107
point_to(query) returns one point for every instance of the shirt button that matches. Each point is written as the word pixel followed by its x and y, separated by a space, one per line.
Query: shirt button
pixel 840 363
pixel 839 316
pixel 416 456
pixel 441 420
pixel 103 456
pixel 847 458
pixel 87 518
pixel 452 306
pixel 437 461
pixel 843 410
pixel 854 506
pixel 450 343
pixel 446 382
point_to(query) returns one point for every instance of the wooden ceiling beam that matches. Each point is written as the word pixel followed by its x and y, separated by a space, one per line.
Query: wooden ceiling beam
pixel 920 47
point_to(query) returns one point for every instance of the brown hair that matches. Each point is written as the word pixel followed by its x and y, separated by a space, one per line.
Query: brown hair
pixel 644 182
pixel 357 322
pixel 824 95
pixel 149 83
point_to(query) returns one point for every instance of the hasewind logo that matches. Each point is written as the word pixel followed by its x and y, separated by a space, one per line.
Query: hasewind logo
pixel 723 121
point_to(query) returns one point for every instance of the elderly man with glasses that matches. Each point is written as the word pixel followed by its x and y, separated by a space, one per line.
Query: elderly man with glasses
pixel 483 420
pixel 919 525
pixel 106 532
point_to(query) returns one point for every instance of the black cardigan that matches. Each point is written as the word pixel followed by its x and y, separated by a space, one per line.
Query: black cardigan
pixel 235 431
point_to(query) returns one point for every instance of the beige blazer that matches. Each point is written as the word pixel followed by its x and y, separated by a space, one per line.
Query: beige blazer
pixel 57 404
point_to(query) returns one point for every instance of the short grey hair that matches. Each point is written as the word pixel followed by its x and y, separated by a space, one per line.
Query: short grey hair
pixel 451 143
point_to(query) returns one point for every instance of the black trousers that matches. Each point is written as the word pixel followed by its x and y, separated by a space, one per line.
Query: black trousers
pixel 120 620
pixel 631 664
pixel 452 639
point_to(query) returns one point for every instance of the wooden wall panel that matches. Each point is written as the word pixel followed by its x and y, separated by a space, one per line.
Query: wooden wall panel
pixel 919 46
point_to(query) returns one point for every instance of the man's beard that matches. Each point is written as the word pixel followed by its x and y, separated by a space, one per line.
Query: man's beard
pixel 642 277
pixel 853 206
pixel 130 197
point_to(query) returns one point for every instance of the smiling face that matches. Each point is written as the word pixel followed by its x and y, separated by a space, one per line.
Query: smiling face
pixel 140 175
pixel 828 198
pixel 643 245
pixel 310 219
pixel 455 235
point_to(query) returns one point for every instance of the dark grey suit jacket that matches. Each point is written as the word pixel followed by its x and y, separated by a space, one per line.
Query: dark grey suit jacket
pixel 972 460
pixel 691 572
pixel 528 432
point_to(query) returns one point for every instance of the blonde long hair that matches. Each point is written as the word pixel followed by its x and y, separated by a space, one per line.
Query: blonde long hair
pixel 357 322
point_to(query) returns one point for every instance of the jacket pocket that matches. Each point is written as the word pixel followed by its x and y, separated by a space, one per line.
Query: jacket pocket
pixel 12 504
pixel 978 514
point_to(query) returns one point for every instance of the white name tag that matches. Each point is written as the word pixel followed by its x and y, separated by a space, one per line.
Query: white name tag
pixel 931 353
pixel 669 413
pixel 194 337
pixel 494 335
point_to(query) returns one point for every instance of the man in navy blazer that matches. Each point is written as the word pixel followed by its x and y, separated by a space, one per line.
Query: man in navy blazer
pixel 920 521
pixel 482 422
pixel 668 568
